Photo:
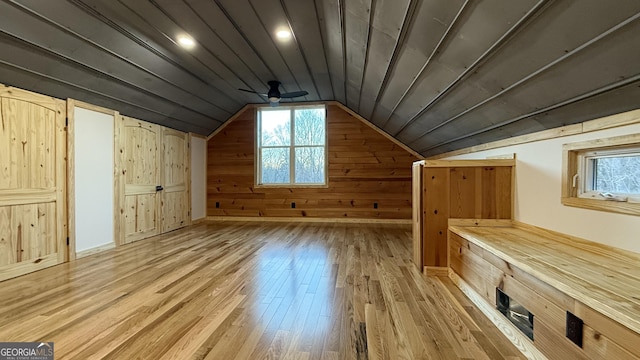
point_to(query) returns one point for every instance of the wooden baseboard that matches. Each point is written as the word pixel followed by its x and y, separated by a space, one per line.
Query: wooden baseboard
pixel 517 338
pixel 198 221
pixel 436 271
pixel 309 220
pixel 482 222
pixel 95 250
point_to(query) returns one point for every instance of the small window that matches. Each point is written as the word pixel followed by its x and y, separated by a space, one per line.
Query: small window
pixel 604 174
pixel 291 146
pixel 610 174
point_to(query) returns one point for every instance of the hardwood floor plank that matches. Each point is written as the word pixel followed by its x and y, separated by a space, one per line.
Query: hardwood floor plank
pixel 246 290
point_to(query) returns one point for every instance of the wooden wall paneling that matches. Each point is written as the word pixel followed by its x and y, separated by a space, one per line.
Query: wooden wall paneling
pixel 175 198
pixel 479 273
pixel 512 333
pixel 488 193
pixel 364 168
pixel 33 209
pixel 625 337
pixel 552 345
pixel 505 188
pixel 463 189
pixel 436 215
pixel 600 347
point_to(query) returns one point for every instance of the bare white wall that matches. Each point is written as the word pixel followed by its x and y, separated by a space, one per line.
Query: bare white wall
pixel 538 189
pixel 198 178
pixel 93 170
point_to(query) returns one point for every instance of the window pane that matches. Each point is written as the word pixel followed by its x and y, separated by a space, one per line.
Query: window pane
pixel 309 126
pixel 309 165
pixel 276 127
pixel 617 174
pixel 275 166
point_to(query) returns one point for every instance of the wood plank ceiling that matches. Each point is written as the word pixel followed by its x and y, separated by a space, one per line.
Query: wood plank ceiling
pixel 437 75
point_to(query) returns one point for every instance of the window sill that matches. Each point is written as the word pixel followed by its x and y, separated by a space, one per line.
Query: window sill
pixel 292 186
pixel 622 207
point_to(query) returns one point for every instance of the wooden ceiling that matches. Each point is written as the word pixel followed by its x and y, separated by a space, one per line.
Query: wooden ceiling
pixel 438 75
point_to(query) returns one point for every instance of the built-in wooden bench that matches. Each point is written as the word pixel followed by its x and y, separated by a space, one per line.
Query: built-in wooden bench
pixel 551 274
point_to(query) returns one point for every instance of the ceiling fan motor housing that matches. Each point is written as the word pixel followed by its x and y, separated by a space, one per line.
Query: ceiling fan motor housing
pixel 274 93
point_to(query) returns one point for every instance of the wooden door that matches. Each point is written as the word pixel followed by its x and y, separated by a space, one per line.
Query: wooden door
pixel 141 147
pixel 32 182
pixel 175 205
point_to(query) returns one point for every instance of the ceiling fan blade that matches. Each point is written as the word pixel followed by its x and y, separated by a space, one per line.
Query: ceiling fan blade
pixel 294 94
pixel 253 92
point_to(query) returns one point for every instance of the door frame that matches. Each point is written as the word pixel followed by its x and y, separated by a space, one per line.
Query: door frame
pixel 71 185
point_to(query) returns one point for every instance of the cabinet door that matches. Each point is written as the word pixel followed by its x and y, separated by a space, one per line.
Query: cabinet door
pixel 32 182
pixel 175 207
pixel 142 174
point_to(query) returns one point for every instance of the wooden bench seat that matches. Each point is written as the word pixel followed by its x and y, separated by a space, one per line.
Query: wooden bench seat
pixel 551 274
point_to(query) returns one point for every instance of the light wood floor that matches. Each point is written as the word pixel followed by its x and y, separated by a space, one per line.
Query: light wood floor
pixel 251 291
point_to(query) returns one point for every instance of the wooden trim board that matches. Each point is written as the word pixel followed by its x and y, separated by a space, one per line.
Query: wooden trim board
pixel 608 122
pixel 308 220
pixel 517 338
pixel 71 183
pixel 95 250
pixel 230 120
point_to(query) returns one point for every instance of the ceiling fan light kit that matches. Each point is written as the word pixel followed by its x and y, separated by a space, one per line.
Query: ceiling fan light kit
pixel 274 96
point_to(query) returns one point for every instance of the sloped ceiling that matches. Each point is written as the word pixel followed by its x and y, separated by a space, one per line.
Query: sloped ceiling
pixel 438 75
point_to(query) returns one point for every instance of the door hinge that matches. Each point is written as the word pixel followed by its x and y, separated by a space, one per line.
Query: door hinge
pixel 67 241
pixel 66 121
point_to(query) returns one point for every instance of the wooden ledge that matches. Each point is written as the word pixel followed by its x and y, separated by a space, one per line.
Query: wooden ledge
pixel 604 278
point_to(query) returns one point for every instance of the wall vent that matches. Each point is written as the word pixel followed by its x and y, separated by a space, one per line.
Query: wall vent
pixel 515 312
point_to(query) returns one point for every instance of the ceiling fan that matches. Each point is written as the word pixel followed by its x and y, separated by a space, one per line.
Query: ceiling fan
pixel 274 94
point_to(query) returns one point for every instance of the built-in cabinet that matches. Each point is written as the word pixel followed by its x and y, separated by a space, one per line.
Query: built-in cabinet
pixel 152 179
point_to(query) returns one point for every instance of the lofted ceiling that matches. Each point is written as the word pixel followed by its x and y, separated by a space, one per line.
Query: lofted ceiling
pixel 437 75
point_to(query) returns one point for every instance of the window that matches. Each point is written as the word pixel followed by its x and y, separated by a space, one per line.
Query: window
pixel 610 172
pixel 291 146
pixel 603 174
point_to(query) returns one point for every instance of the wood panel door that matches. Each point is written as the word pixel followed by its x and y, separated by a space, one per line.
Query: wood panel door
pixel 32 182
pixel 175 204
pixel 142 173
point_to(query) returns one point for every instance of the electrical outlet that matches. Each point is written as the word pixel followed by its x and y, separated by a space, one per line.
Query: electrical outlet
pixel 217 205
pixel 574 329
pixel 375 205
pixel 293 205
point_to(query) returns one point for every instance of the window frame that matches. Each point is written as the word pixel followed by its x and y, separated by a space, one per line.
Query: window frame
pixel 292 147
pixel 575 165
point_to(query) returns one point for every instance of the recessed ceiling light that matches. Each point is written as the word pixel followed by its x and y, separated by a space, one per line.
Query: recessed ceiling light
pixel 283 34
pixel 186 41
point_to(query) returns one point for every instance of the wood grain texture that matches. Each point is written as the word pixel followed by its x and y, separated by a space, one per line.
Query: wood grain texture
pixel 175 198
pixel 142 172
pixel 33 164
pixel 248 290
pixel 364 168
pixel 475 191
pixel 550 274
pixel 417 212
